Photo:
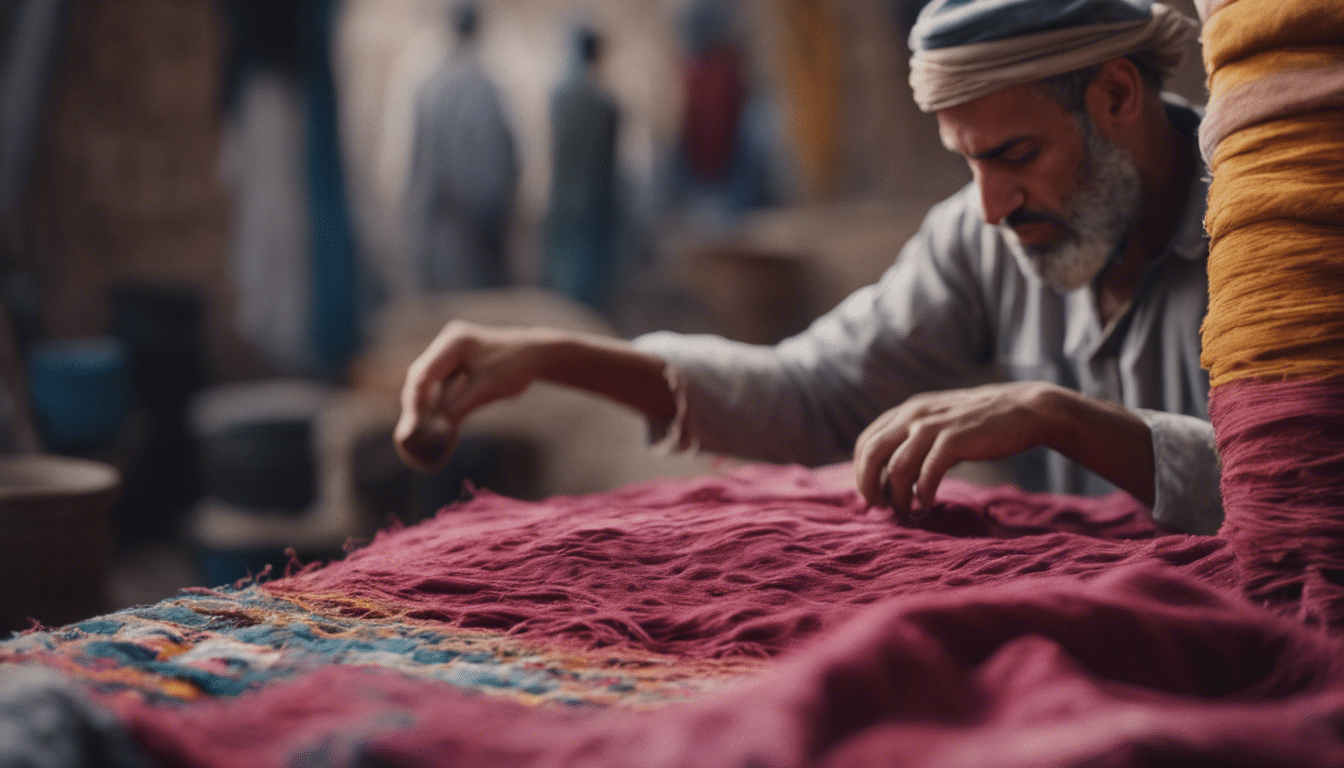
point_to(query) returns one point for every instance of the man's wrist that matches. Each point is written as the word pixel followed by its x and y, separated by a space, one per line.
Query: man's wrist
pixel 1107 438
pixel 606 366
pixel 1057 411
pixel 553 354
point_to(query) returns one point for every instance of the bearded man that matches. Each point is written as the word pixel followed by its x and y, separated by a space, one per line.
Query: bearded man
pixel 1054 303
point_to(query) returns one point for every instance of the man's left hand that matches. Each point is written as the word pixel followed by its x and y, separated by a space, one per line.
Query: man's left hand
pixel 906 451
pixel 914 444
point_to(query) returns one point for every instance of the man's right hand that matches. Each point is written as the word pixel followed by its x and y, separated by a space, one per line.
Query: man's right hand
pixel 465 367
pixel 468 366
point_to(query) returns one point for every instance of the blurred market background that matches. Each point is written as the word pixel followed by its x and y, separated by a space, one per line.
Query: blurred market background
pixel 226 227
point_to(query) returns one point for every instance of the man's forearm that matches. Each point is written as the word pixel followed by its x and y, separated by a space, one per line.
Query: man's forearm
pixel 468 366
pixel 611 368
pixel 1107 438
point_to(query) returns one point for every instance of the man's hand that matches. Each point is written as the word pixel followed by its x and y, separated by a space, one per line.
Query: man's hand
pixel 468 366
pixel 912 446
pixel 465 367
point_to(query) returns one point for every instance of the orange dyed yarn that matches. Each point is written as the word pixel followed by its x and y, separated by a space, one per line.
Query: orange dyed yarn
pixel 1278 316
pixel 1276 255
pixel 1276 203
pixel 1238 73
pixel 1244 28
pixel 1282 169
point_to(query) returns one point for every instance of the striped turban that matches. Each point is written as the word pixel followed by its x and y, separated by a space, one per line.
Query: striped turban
pixel 965 49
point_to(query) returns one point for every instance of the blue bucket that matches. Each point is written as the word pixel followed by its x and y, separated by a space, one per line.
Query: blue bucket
pixel 80 390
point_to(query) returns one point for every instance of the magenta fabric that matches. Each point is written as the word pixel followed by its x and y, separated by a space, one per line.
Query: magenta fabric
pixel 1031 630
pixel 1282 446
pixel 1142 666
pixel 744 564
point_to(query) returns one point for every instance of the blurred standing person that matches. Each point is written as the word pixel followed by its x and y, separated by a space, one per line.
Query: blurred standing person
pixel 464 171
pixel 578 258
pixel 722 164
pixel 295 269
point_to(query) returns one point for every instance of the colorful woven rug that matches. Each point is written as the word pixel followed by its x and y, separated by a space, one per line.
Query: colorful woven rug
pixel 229 641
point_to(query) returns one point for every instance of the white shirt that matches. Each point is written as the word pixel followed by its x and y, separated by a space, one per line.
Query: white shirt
pixel 955 310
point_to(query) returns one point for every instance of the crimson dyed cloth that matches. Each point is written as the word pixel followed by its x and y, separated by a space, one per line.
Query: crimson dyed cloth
pixel 742 564
pixel 1140 667
pixel 1282 446
pixel 1009 630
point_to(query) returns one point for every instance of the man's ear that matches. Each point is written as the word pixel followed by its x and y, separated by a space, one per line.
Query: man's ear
pixel 1114 98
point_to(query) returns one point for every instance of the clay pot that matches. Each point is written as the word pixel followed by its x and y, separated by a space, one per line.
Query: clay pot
pixel 55 538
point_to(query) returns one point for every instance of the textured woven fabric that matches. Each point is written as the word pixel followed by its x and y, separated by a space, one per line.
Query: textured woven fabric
pixel 994 629
pixel 1136 668
pixel 1273 339
pixel 742 565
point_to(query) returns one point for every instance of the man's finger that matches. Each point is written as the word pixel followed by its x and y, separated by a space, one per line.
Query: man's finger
pixel 424 382
pixel 876 425
pixel 425 444
pixel 466 393
pixel 440 360
pixel 870 462
pixel 424 435
pixel 419 395
pixel 942 456
pixel 903 467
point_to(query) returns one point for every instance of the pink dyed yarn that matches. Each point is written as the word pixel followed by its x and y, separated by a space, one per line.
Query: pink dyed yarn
pixel 1282 446
pixel 1141 666
pixel 745 564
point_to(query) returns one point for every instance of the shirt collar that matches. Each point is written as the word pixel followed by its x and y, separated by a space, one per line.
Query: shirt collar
pixel 1189 241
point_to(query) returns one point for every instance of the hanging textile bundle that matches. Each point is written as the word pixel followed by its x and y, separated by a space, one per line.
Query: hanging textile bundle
pixel 1273 339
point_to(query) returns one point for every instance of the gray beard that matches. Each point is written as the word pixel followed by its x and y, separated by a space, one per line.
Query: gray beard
pixel 1100 217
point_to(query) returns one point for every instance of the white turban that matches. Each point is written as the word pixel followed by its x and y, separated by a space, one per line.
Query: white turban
pixel 1011 42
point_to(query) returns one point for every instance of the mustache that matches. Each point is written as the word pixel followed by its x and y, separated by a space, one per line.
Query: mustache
pixel 1023 216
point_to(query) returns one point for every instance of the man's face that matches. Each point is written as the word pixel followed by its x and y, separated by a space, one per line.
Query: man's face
pixel 1065 196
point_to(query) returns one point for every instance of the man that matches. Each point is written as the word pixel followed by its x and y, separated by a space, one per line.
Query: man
pixel 463 171
pixel 578 252
pixel 1073 267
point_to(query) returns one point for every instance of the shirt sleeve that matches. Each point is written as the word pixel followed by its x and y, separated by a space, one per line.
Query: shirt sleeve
pixel 1188 496
pixel 925 325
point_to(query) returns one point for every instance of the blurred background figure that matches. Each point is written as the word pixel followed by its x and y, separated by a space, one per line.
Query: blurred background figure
pixel 464 170
pixel 292 250
pixel 578 250
pixel 721 165
pixel 261 160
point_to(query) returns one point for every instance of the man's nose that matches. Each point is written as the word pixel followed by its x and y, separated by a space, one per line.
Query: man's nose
pixel 999 195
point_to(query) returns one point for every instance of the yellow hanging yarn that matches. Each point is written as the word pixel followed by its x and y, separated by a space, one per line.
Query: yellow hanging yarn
pixel 1244 28
pixel 1235 74
pixel 1283 169
pixel 1276 203
pixel 1278 315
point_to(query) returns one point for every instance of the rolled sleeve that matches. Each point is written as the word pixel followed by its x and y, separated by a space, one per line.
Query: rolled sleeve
pixel 738 399
pixel 926 324
pixel 1188 496
pixel 668 436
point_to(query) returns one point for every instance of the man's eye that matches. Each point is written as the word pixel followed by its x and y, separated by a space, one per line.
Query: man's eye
pixel 1019 156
